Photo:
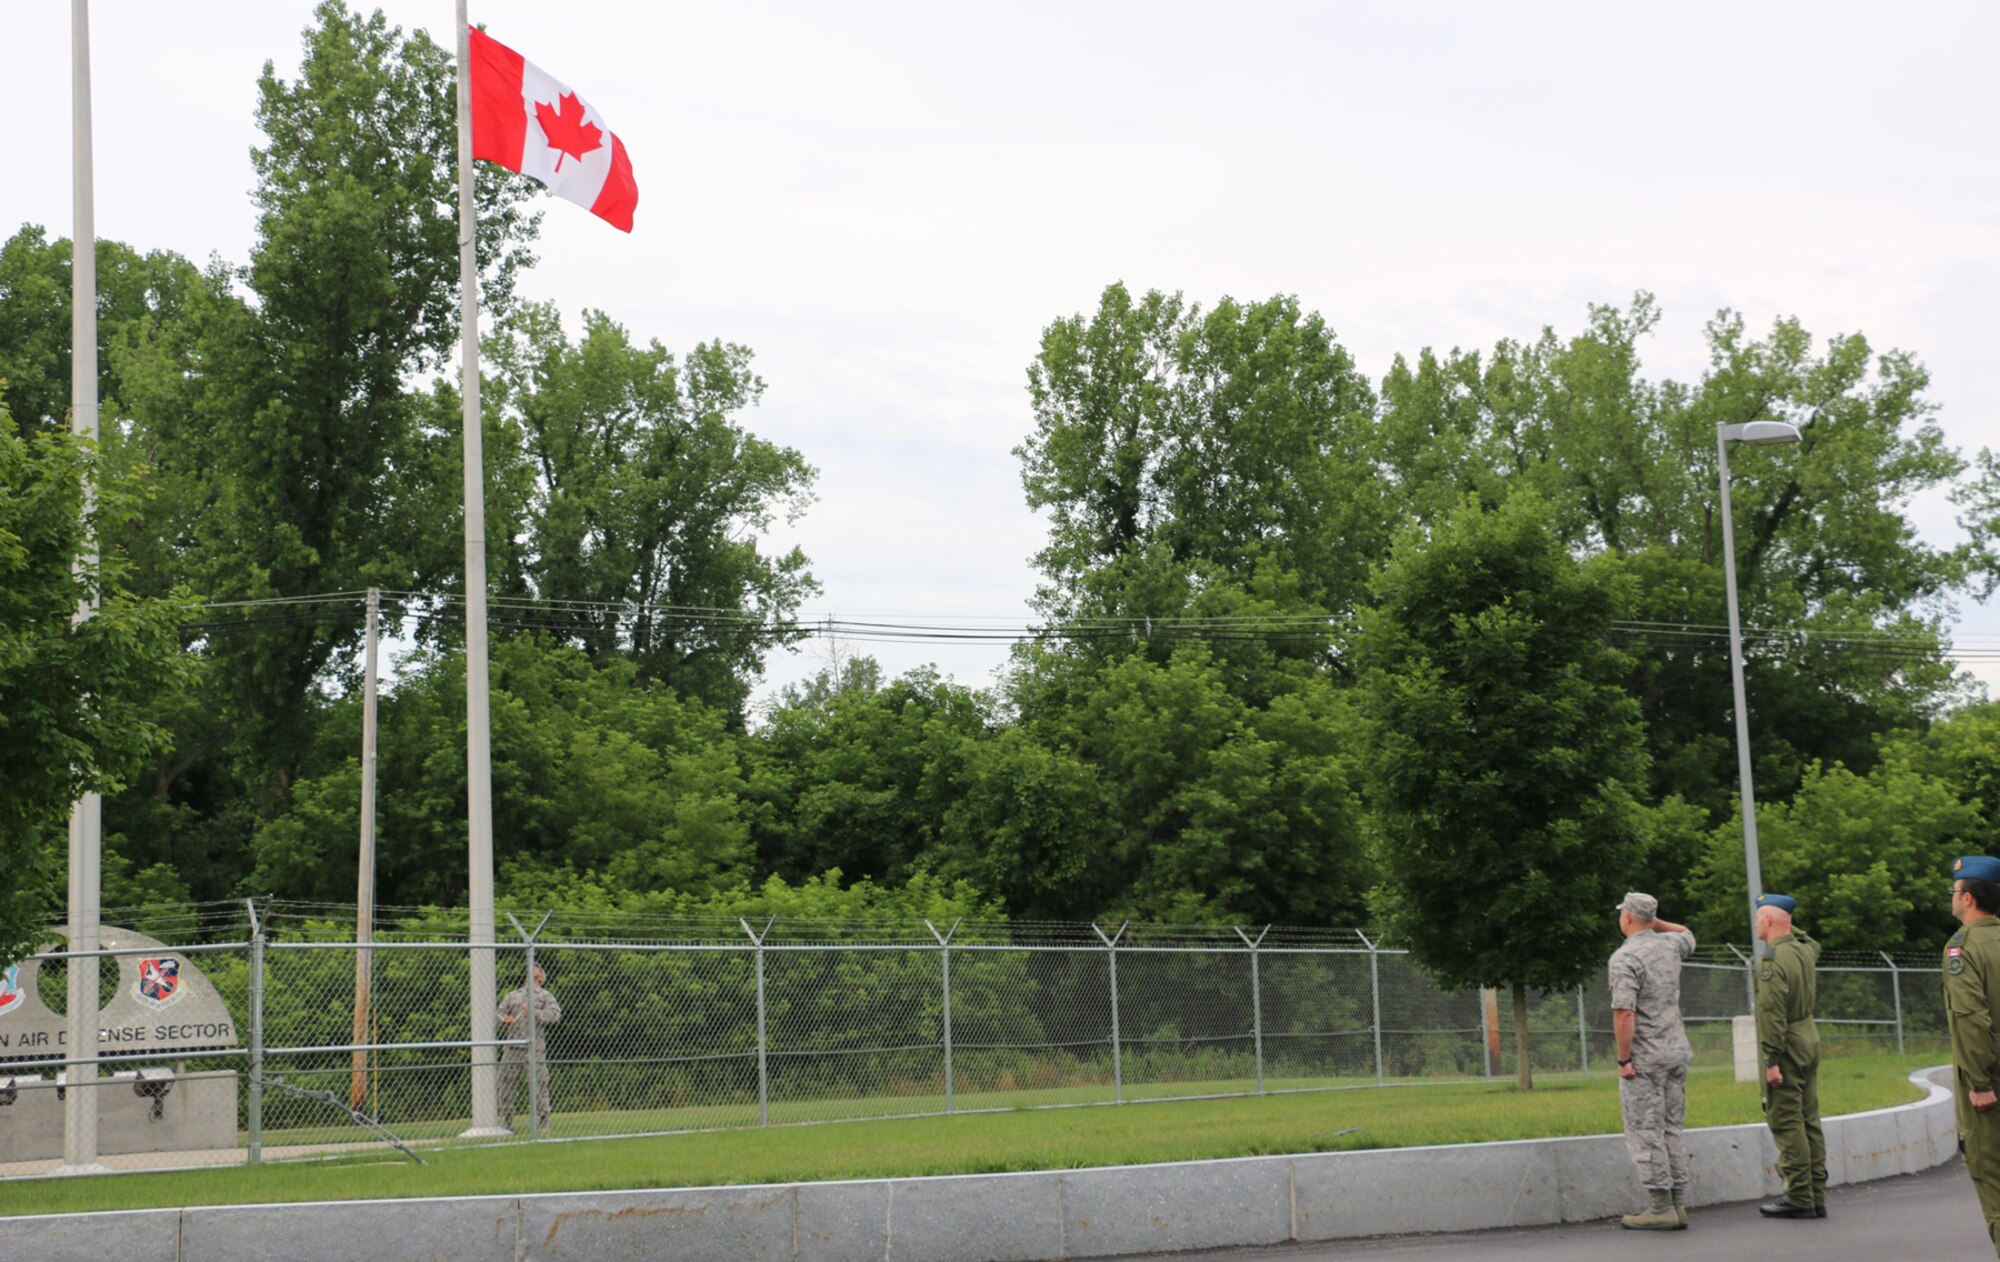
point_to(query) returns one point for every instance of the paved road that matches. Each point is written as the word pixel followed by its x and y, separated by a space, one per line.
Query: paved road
pixel 1930 1215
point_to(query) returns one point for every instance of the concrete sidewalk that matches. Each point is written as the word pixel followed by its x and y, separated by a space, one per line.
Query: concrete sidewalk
pixel 1930 1215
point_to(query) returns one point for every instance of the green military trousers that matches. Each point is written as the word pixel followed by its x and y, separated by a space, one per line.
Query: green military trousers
pixel 1792 1112
pixel 1980 1133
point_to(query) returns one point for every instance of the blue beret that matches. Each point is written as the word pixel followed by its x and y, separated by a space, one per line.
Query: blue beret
pixel 1783 902
pixel 1976 867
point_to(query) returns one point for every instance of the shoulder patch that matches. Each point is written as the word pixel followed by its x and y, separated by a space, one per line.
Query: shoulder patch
pixel 1765 972
pixel 1958 937
pixel 1956 964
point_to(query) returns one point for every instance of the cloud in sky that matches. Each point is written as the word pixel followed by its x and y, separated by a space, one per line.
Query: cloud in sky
pixel 889 202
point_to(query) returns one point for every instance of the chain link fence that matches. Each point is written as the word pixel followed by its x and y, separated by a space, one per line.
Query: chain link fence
pixel 231 1038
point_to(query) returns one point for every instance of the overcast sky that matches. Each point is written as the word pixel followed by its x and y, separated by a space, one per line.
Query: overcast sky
pixel 889 202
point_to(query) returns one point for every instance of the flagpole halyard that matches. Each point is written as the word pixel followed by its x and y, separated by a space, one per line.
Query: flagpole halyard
pixel 478 736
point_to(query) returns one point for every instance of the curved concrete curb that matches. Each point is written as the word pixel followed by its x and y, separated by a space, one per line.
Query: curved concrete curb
pixel 1009 1217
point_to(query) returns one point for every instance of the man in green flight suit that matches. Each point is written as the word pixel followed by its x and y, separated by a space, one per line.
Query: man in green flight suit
pixel 1971 998
pixel 1788 1044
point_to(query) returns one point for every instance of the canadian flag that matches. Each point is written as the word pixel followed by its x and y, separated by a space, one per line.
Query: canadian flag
pixel 528 122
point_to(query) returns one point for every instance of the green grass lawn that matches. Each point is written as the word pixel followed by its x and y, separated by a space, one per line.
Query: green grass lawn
pixel 970 1144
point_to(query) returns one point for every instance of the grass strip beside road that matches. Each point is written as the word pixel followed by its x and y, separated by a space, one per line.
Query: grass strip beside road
pixel 970 1144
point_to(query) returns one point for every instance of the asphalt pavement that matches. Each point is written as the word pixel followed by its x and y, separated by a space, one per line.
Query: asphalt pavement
pixel 1931 1215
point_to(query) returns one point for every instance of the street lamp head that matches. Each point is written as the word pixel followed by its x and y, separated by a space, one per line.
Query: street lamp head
pixel 1760 433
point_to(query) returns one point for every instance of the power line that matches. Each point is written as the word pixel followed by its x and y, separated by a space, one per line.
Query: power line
pixel 582 617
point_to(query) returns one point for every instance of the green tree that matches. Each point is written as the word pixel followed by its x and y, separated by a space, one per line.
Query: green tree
pixel 72 698
pixel 288 414
pixel 1866 856
pixel 1627 466
pixel 643 492
pixel 1963 750
pixel 860 776
pixel 1169 795
pixel 596 773
pixel 1503 753
pixel 1226 436
pixel 135 292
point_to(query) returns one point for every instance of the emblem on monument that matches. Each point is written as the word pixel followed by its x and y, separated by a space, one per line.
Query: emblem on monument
pixel 159 981
pixel 10 990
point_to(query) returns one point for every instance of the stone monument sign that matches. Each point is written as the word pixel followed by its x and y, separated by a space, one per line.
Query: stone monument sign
pixel 164 1008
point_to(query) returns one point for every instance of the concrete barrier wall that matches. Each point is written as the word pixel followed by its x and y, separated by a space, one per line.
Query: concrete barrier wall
pixel 1085 1213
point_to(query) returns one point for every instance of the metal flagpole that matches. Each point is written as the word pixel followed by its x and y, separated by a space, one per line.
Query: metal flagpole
pixel 478 745
pixel 1753 869
pixel 86 818
pixel 364 894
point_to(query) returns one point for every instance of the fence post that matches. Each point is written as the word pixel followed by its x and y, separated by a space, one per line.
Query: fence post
pixel 530 987
pixel 1896 989
pixel 1256 1001
pixel 1117 1055
pixel 944 958
pixel 763 1067
pixel 1374 999
pixel 254 1124
pixel 1582 1033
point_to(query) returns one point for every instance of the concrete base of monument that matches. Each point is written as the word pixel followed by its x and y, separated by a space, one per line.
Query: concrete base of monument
pixel 190 1112
pixel 1100 1212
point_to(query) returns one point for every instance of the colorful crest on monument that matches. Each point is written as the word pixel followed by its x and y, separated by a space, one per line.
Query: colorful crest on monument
pixel 159 981
pixel 10 990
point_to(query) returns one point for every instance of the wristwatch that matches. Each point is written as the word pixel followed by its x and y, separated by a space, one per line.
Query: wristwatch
pixel 1624 1061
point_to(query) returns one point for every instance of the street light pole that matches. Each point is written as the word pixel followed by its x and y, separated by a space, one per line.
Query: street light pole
pixel 1758 433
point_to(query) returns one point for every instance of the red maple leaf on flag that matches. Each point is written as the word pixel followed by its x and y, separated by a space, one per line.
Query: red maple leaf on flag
pixel 563 124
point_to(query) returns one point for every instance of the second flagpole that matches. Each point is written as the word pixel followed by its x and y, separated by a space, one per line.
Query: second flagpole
pixel 478 738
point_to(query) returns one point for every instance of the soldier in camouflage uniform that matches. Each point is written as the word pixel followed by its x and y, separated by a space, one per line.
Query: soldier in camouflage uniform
pixel 1653 1057
pixel 1971 1001
pixel 514 1060
pixel 1788 1044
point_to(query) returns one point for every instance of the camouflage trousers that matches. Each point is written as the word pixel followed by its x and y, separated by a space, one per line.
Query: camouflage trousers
pixel 514 1067
pixel 1655 1102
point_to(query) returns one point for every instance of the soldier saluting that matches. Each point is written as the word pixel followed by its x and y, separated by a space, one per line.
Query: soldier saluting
pixel 1788 1041
pixel 1971 996
pixel 513 1014
pixel 1653 1057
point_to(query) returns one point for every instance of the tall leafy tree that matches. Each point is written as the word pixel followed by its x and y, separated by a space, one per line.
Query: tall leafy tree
pixel 644 499
pixel 73 714
pixel 1504 754
pixel 1628 466
pixel 1220 437
pixel 135 292
pixel 288 414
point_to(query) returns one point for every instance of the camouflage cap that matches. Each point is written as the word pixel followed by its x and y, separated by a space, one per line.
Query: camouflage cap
pixel 1644 906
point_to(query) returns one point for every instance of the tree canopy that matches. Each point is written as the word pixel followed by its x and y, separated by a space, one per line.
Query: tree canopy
pixel 1505 759
pixel 1438 651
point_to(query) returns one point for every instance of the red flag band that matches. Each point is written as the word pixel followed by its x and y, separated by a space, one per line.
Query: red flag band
pixel 528 122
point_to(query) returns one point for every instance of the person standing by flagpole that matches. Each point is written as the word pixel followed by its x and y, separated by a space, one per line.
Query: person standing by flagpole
pixel 513 114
